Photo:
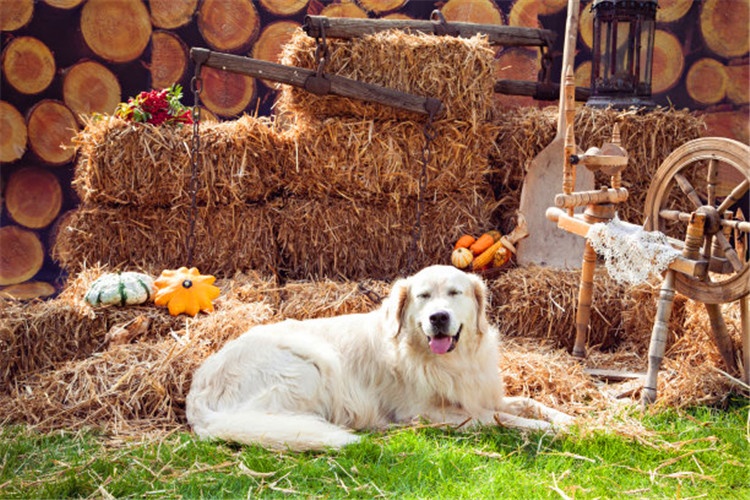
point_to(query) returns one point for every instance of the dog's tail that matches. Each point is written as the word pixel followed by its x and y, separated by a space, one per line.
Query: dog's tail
pixel 297 432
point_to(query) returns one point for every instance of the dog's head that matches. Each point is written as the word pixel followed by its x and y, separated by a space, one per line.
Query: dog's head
pixel 436 309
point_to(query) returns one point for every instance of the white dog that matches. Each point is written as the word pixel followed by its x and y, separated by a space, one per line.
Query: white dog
pixel 428 352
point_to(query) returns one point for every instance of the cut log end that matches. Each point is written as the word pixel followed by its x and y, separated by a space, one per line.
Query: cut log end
pixel 171 14
pixel 28 65
pixel 33 197
pixel 706 81
pixel 51 128
pixel 28 291
pixel 227 94
pixel 169 56
pixel 13 133
pixel 89 87
pixel 21 255
pixel 116 30
pixel 228 25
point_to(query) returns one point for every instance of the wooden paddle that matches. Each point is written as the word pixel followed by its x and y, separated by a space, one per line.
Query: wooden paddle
pixel 546 245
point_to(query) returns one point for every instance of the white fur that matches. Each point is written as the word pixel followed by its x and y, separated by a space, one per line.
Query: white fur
pixel 309 384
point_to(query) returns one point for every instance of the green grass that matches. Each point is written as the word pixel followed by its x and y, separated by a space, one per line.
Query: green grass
pixel 702 452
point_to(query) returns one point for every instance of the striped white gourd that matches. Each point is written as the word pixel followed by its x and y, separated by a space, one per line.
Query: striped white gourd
pixel 128 288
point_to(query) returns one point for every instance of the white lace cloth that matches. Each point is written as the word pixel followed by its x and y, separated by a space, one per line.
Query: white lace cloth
pixel 631 254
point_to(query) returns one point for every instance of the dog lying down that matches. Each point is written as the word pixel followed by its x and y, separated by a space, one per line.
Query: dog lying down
pixel 428 352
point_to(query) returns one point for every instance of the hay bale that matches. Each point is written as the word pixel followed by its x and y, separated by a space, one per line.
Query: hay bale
pixel 648 137
pixel 538 302
pixel 458 71
pixel 381 160
pixel 229 239
pixel 150 166
pixel 140 385
pixel 351 239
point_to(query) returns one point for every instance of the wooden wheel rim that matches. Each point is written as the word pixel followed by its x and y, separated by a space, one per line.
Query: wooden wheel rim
pixel 724 150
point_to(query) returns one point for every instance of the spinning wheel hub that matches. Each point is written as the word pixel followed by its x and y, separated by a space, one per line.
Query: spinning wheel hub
pixel 713 219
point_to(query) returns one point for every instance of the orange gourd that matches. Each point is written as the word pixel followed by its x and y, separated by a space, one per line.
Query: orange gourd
pixel 483 243
pixel 461 257
pixel 185 291
pixel 465 241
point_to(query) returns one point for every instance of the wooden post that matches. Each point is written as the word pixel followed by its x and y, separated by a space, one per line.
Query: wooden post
pixel 585 294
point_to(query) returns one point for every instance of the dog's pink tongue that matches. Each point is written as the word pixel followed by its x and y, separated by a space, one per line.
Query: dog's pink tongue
pixel 440 345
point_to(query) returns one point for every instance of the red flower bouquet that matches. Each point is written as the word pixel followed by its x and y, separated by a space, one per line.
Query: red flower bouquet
pixel 156 107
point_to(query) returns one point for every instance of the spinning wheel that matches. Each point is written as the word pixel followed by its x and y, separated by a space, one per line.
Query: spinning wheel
pixel 703 184
pixel 710 176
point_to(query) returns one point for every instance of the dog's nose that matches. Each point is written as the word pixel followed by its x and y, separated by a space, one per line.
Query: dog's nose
pixel 440 320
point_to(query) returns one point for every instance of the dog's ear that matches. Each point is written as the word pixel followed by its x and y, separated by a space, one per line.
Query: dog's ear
pixel 480 295
pixel 395 306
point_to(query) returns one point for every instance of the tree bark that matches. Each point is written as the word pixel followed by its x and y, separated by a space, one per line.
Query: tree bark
pixel 16 14
pixel 668 62
pixel 226 94
pixel 116 30
pixel 724 26
pixel 171 14
pixel 228 25
pixel 706 81
pixel 21 255
pixel 33 197
pixel 28 65
pixel 51 127
pixel 169 56
pixel 284 7
pixel 13 133
pixel 89 87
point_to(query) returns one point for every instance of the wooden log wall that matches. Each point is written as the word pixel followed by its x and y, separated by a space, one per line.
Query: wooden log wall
pixel 63 59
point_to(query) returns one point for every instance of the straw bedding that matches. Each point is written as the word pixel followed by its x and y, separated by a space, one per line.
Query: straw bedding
pixel 140 386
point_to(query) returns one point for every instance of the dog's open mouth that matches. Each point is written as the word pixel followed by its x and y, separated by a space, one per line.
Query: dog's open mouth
pixel 441 344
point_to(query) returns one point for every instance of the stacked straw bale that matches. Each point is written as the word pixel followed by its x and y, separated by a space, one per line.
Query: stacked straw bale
pixel 359 166
pixel 333 195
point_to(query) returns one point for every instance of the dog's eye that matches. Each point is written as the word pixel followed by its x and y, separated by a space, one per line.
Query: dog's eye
pixel 423 295
pixel 453 292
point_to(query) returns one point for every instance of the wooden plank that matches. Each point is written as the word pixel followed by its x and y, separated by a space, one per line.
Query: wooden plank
pixel 298 77
pixel 506 36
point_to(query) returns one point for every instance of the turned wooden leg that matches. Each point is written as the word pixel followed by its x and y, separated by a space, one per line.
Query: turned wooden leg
pixel 658 337
pixel 721 337
pixel 585 293
pixel 745 320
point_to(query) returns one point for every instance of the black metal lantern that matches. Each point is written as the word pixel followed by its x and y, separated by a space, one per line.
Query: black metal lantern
pixel 622 53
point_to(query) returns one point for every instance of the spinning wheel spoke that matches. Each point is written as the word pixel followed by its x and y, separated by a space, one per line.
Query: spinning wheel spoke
pixel 689 190
pixel 735 196
pixel 729 252
pixel 711 179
